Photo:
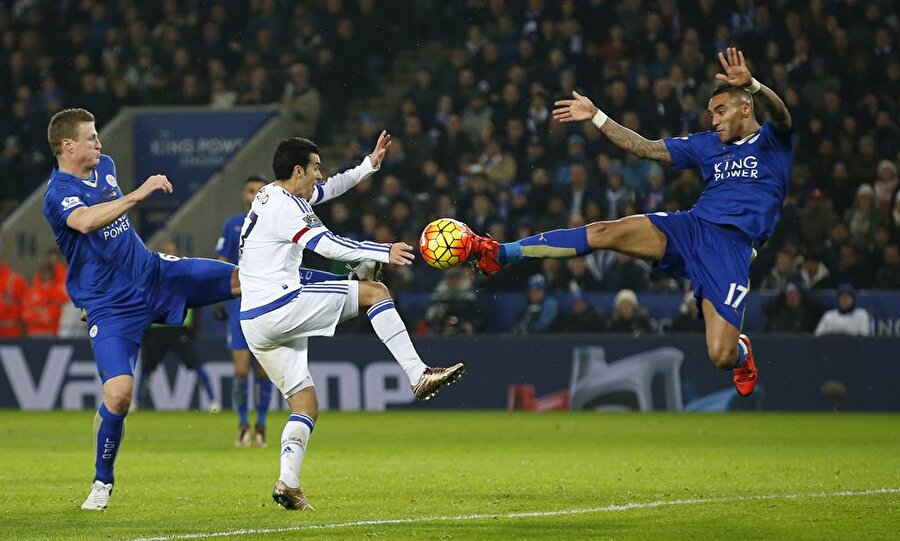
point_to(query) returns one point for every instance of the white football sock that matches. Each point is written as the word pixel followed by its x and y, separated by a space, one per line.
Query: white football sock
pixel 391 330
pixel 294 439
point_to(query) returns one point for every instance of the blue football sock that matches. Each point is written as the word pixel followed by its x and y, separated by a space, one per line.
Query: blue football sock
pixel 742 355
pixel 263 399
pixel 556 244
pixel 239 395
pixel 204 381
pixel 311 276
pixel 109 438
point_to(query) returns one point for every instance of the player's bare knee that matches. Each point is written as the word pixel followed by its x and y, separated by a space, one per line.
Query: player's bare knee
pixel 372 292
pixel 722 355
pixel 117 401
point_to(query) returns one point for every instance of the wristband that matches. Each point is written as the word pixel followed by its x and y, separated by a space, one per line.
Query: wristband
pixel 599 119
pixel 754 86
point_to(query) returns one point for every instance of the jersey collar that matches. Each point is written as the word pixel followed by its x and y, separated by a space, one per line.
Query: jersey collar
pixel 90 181
pixel 750 139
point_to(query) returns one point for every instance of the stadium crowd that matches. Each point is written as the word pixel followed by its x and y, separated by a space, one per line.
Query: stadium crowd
pixel 473 136
pixel 106 55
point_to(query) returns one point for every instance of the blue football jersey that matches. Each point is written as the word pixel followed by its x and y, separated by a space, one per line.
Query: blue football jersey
pixel 229 242
pixel 745 181
pixel 106 265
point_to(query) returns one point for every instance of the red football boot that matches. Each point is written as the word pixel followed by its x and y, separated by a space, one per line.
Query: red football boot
pixel 745 376
pixel 486 249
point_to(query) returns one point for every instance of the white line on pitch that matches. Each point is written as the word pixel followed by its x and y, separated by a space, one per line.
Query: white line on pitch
pixel 525 514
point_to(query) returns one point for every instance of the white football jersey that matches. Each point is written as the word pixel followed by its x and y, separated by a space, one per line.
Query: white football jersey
pixel 277 229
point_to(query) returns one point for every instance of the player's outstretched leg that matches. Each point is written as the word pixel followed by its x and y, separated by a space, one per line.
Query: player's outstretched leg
pixel 634 235
pixel 425 380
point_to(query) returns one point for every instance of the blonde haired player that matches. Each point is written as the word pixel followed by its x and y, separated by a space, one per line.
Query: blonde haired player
pixel 278 313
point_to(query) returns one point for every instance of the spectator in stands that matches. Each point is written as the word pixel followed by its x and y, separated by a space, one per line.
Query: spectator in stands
pixel 13 290
pixel 847 319
pixel 625 272
pixel 302 102
pixel 556 277
pixel 839 235
pixel 782 271
pixel 221 96
pixel 792 311
pixel 453 308
pixel 885 186
pixel 628 315
pixel 540 312
pixel 617 195
pixel 44 301
pixel 816 218
pixel 851 268
pixel 583 317
pixel 655 195
pixel 688 319
pixel 813 274
pixel 888 276
pixel 580 277
pixel 863 217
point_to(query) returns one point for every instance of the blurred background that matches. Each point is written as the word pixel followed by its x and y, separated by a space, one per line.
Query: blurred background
pixel 203 90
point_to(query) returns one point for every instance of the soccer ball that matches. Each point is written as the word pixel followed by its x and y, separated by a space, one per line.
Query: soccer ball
pixel 445 243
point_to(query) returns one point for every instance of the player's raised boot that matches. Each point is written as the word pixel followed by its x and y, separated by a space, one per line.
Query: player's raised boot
pixel 366 270
pixel 745 376
pixel 435 378
pixel 243 436
pixel 98 499
pixel 290 498
pixel 487 251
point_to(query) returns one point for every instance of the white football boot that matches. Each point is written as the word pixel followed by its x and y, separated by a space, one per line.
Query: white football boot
pixel 98 499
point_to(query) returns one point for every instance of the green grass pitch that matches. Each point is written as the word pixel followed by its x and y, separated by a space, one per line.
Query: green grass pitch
pixel 466 475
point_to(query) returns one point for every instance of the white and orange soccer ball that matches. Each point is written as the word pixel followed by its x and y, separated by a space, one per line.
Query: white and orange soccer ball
pixel 445 243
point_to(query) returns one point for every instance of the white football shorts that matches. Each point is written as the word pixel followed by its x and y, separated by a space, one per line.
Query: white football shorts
pixel 278 338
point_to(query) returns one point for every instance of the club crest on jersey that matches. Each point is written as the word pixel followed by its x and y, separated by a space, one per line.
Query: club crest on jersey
pixel 111 180
pixel 72 201
pixel 312 221
pixel 93 332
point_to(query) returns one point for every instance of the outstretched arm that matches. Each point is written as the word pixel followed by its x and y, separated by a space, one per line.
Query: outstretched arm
pixel 327 244
pixel 737 74
pixel 87 219
pixel 581 108
pixel 339 184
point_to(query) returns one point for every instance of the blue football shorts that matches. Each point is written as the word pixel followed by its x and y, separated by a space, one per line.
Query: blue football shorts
pixel 175 285
pixel 716 259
